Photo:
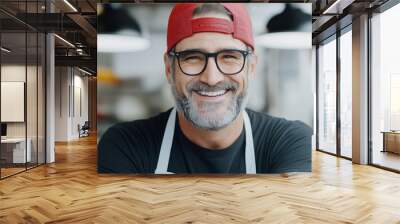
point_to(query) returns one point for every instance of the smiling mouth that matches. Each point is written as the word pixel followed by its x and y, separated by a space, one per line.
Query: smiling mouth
pixel 212 93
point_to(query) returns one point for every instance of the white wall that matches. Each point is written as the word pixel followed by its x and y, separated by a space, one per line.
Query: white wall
pixel 61 103
pixel 69 85
pixel 14 73
pixel 33 125
pixel 80 93
pixel 17 73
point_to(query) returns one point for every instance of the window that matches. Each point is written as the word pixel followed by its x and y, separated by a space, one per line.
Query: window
pixel 385 89
pixel 327 97
pixel 346 94
pixel 22 75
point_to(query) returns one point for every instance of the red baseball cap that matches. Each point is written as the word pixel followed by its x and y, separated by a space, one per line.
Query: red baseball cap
pixel 181 24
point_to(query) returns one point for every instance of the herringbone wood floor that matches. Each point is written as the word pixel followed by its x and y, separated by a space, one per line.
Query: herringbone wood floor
pixel 70 191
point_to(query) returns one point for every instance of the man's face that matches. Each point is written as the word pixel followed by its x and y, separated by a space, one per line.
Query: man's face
pixel 210 100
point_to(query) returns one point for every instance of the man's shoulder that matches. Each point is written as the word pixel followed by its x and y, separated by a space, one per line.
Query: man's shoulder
pixel 282 145
pixel 145 124
pixel 141 127
pixel 273 124
pixel 132 147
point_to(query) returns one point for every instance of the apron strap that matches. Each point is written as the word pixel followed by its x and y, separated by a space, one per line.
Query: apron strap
pixel 249 153
pixel 165 151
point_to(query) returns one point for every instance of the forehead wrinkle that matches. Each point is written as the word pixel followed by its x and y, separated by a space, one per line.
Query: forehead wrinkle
pixel 210 41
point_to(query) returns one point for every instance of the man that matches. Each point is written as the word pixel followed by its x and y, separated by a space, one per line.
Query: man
pixel 209 61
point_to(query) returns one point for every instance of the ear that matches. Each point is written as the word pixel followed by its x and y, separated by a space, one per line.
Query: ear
pixel 168 68
pixel 253 65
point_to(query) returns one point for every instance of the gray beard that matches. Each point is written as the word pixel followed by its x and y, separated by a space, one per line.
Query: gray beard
pixel 208 119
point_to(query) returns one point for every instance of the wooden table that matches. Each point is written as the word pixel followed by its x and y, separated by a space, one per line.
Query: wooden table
pixel 391 141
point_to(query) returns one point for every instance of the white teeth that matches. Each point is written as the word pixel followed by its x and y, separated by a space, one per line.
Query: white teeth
pixel 218 93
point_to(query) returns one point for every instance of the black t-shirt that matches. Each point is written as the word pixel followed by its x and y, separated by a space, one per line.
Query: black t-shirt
pixel 133 147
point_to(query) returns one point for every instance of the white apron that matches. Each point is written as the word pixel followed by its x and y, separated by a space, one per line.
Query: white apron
pixel 165 151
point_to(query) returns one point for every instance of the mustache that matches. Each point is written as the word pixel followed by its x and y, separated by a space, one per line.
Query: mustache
pixel 223 85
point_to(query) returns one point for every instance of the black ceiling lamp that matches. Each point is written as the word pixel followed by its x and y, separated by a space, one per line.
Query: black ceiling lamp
pixel 290 29
pixel 118 31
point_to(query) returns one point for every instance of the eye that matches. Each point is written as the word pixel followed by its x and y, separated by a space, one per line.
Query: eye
pixel 230 56
pixel 191 57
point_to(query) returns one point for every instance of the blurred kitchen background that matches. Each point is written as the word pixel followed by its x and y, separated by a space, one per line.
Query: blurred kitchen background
pixel 131 79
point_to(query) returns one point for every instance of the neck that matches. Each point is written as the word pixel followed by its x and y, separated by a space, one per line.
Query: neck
pixel 212 139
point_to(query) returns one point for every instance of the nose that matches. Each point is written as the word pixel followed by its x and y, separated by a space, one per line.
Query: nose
pixel 211 75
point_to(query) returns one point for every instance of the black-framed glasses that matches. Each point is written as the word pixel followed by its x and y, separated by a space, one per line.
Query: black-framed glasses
pixel 194 62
